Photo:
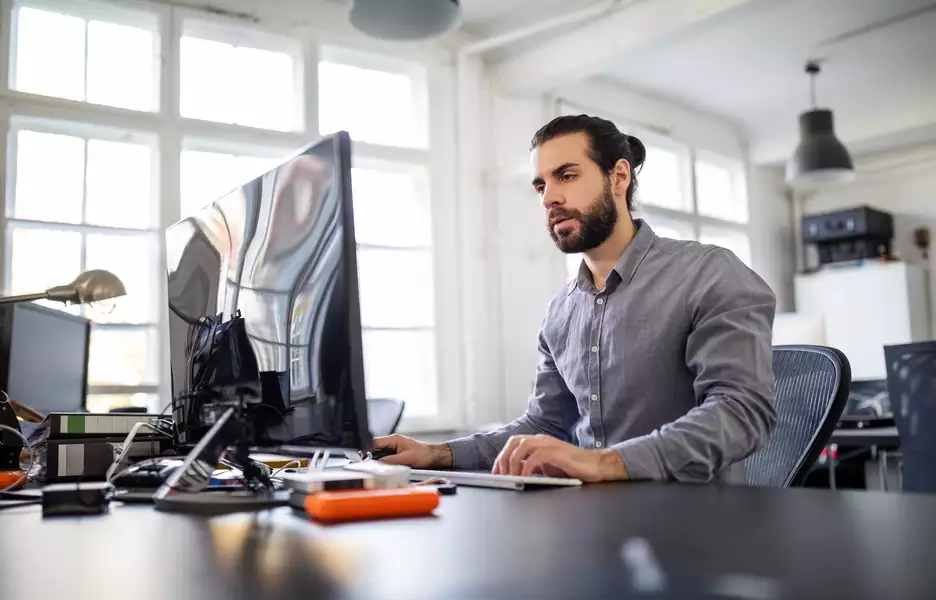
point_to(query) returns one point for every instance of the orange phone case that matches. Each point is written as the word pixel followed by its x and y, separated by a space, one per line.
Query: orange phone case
pixel 371 504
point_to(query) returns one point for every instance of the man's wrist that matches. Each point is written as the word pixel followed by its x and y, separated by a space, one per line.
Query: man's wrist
pixel 442 457
pixel 611 466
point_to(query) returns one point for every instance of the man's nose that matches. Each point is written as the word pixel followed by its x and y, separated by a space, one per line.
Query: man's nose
pixel 551 197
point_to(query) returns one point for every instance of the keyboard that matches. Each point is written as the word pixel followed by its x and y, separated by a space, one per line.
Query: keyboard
pixel 506 482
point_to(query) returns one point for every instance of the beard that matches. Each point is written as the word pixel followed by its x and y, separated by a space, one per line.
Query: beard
pixel 595 224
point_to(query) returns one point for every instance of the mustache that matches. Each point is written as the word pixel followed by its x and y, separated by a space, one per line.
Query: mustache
pixel 558 214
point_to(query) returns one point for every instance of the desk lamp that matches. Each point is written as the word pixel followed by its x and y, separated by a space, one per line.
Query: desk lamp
pixel 91 286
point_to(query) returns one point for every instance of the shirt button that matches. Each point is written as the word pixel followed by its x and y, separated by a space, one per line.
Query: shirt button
pixel 595 397
pixel 598 444
pixel 600 301
pixel 594 348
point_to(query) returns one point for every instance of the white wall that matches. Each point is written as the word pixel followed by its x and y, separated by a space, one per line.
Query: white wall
pixel 902 183
pixel 772 235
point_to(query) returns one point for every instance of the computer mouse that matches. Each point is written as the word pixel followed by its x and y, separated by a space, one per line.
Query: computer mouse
pixel 379 453
pixel 148 473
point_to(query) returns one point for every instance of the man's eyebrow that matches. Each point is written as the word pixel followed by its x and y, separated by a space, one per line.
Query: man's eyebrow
pixel 558 170
pixel 555 172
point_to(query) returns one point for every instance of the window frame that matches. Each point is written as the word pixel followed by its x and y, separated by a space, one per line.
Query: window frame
pixel 175 133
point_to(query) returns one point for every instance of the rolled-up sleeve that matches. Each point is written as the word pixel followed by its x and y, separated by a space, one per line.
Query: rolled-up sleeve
pixel 551 410
pixel 729 352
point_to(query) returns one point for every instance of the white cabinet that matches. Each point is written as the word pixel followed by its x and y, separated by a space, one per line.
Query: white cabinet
pixel 865 308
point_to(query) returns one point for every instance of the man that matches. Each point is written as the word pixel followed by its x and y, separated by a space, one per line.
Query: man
pixel 655 363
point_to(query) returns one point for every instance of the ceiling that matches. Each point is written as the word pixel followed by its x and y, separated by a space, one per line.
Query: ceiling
pixel 747 66
pixel 482 18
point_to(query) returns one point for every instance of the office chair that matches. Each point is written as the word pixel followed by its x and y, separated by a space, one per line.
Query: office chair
pixel 383 415
pixel 911 385
pixel 812 384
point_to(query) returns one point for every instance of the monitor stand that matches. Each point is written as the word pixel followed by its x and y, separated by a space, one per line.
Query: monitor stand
pixel 186 490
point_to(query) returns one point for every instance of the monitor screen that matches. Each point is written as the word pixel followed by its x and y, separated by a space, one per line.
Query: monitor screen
pixel 281 251
pixel 48 358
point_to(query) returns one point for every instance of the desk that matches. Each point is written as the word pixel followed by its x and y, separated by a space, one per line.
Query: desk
pixel 490 543
pixel 882 437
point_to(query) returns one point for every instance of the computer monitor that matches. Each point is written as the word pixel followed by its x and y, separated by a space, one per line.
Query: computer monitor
pixel 44 357
pixel 281 250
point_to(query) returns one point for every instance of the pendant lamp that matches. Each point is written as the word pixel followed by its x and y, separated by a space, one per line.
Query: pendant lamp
pixel 820 159
pixel 405 20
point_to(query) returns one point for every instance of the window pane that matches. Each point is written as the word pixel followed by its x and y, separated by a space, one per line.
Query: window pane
pixel 121 66
pixel 396 288
pixel 735 241
pixel 661 180
pixel 49 177
pixel 670 228
pixel 373 106
pixel 120 192
pixel 402 365
pixel 134 259
pixel 123 357
pixel 206 176
pixel 102 403
pixel 389 210
pixel 719 192
pixel 231 84
pixel 43 258
pixel 47 68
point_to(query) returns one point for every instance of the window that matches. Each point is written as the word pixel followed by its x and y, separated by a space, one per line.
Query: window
pixel 82 198
pixel 393 229
pixel 686 193
pixel 663 178
pixel 91 187
pixel 720 188
pixel 374 100
pixel 232 77
pixel 102 62
pixel 206 176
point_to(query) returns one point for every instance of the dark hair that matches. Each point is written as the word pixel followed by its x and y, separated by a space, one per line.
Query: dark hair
pixel 607 144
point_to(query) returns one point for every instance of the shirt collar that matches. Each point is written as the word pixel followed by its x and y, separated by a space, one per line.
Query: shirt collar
pixel 627 264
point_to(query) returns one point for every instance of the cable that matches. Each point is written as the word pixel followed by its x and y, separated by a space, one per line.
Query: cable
pixel 286 466
pixel 18 504
pixel 32 455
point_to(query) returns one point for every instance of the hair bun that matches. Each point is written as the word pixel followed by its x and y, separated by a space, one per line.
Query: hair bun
pixel 638 151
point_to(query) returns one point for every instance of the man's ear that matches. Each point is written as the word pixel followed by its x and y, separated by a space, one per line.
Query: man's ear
pixel 621 176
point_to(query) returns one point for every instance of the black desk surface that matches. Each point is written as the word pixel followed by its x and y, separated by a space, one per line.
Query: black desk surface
pixel 754 543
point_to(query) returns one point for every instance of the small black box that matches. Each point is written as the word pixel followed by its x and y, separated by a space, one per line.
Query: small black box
pixel 59 499
pixel 860 222
pixel 860 233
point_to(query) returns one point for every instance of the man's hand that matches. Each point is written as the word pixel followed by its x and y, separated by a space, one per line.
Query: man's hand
pixel 545 455
pixel 414 453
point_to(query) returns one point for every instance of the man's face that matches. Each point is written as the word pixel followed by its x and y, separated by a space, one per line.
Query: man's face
pixel 576 193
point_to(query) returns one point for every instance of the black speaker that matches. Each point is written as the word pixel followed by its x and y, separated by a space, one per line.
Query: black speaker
pixel 847 235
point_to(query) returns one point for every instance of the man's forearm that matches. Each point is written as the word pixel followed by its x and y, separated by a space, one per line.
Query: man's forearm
pixel 442 456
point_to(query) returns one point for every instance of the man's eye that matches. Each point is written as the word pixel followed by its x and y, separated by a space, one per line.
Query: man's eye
pixel 567 176
pixel 538 189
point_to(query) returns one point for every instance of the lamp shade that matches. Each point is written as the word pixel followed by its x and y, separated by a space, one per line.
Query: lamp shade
pixel 820 159
pixel 405 20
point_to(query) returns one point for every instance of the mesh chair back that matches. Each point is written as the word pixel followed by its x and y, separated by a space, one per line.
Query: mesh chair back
pixel 383 415
pixel 911 384
pixel 812 384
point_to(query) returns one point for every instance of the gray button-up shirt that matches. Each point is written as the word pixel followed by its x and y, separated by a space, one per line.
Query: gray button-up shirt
pixel 669 364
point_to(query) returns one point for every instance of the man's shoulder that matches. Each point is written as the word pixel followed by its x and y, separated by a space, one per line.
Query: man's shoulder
pixel 692 255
